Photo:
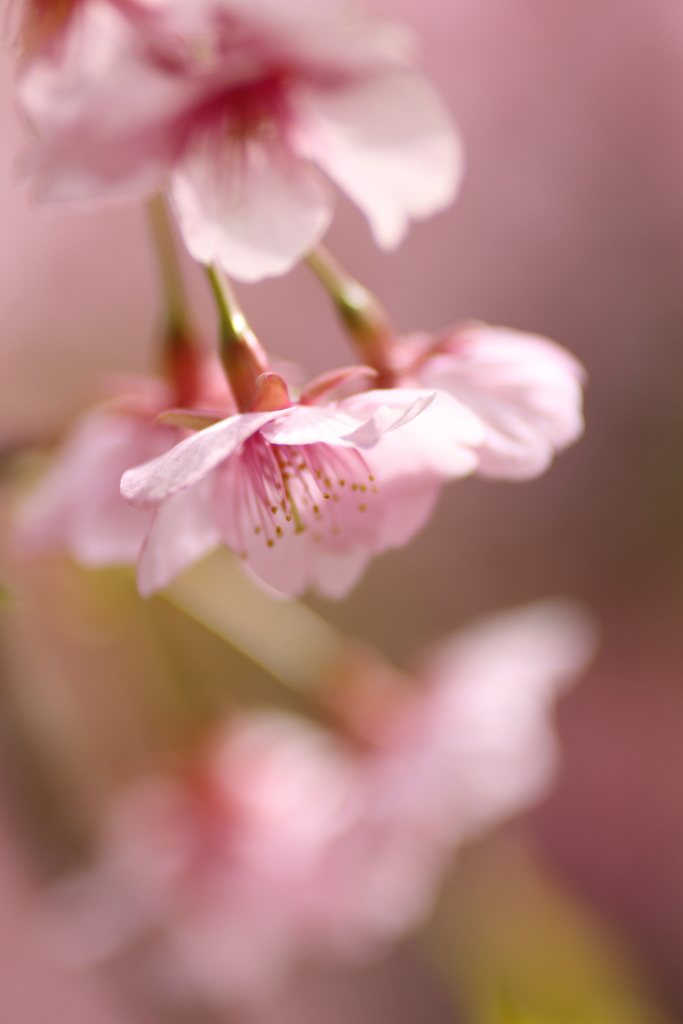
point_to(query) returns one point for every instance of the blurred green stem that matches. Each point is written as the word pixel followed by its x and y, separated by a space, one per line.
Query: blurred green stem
pixel 361 312
pixel 177 310
pixel 242 356
pixel 284 637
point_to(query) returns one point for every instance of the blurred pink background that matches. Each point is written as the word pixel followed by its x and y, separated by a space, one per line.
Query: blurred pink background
pixel 570 224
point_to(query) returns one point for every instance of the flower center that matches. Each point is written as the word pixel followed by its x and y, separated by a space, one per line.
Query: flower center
pixel 292 488
pixel 256 109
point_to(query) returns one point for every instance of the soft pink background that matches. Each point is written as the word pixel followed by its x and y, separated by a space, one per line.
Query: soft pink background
pixel 570 223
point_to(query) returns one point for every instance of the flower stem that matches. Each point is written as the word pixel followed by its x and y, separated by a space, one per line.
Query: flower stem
pixel 243 357
pixel 361 312
pixel 341 679
pixel 171 278
pixel 181 356
pixel 285 638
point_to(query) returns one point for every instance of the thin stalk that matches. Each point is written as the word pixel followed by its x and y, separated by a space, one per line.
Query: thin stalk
pixel 241 353
pixel 361 312
pixel 231 320
pixel 285 638
pixel 182 354
pixel 177 310
pixel 339 678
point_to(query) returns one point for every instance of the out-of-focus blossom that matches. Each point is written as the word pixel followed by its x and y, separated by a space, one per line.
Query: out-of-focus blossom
pixel 285 845
pixel 237 100
pixel 304 492
pixel 77 505
pixel 525 389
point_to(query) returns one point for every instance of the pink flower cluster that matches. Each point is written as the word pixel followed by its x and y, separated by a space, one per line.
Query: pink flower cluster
pixel 235 105
pixel 230 104
pixel 285 845
pixel 307 492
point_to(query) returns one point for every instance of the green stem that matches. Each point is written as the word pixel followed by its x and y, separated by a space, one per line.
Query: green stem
pixel 177 310
pixel 243 357
pixel 231 320
pixel 361 312
pixel 287 639
pixel 182 356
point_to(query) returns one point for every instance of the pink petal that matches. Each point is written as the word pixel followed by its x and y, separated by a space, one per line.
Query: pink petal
pixel 493 688
pixel 327 38
pixel 406 504
pixel 183 531
pixel 77 506
pixel 390 409
pixel 298 564
pixel 309 424
pixel 441 441
pixel 358 421
pixel 389 143
pixel 189 461
pixel 248 206
pixel 525 388
pixel 102 110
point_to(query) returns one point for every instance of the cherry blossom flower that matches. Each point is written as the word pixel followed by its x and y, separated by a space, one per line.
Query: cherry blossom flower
pixel 234 102
pixel 77 506
pixel 524 388
pixel 287 845
pixel 301 492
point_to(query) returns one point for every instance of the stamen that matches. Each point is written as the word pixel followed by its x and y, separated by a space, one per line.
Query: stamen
pixel 269 478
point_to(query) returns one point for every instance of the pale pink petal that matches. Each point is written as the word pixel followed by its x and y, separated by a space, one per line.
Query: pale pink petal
pixel 358 422
pixel 389 143
pixel 149 484
pixel 326 37
pixel 526 390
pixel 103 112
pixel 249 207
pixel 308 424
pixel 406 503
pixel 300 563
pixel 442 441
pixel 183 531
pixel 78 507
pixel 487 748
pixel 395 408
